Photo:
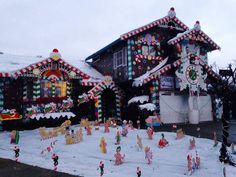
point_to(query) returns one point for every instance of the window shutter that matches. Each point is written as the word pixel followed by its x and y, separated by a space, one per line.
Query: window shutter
pixel 124 56
pixel 114 60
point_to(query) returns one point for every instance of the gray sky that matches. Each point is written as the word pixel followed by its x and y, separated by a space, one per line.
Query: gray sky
pixel 79 28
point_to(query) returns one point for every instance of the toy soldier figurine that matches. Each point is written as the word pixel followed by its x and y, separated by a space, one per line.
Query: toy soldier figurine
pixel 101 166
pixel 138 172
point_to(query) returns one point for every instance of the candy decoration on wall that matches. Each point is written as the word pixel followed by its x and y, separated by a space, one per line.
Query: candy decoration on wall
pixel 53 89
pixel 155 94
pixel 129 60
pixel 25 90
pixel 68 88
pixel 36 91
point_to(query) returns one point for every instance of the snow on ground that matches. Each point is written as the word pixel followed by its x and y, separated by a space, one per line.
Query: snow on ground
pixel 83 158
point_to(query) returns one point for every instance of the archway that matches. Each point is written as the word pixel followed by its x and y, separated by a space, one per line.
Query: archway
pixel 108 103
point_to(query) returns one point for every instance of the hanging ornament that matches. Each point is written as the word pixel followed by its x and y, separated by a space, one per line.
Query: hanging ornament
pixel 144 61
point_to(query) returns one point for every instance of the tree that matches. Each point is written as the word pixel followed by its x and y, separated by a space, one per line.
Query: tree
pixel 225 88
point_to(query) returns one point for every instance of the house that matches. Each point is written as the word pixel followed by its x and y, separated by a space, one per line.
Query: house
pixel 164 62
pixel 38 89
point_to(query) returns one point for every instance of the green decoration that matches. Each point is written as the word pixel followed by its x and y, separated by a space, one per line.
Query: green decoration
pixel 53 89
pixel 36 90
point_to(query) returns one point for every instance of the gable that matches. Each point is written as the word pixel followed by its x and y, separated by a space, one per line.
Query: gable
pixel 195 34
pixel 169 21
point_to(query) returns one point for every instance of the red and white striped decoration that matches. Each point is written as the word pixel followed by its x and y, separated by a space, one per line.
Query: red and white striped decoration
pixel 76 70
pixel 88 83
pixel 165 19
pixel 177 63
pixel 31 67
pixel 154 75
pixel 148 57
pixel 194 34
pixel 3 74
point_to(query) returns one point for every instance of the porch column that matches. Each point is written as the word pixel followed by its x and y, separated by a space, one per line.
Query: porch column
pixel 36 90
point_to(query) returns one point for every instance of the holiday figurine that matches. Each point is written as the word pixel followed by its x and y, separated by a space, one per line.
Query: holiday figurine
pixel 197 161
pixel 79 134
pixel 138 172
pixel 55 161
pixel 192 144
pixel 148 154
pixel 139 143
pixel 118 156
pixel 17 153
pixel 138 124
pixel 215 139
pixel 131 124
pixel 189 159
pixel 162 142
pixel 103 145
pixel 15 137
pixel 88 129
pixel 101 166
pixel 124 128
pixel 106 126
pixel 150 132
pixel 118 137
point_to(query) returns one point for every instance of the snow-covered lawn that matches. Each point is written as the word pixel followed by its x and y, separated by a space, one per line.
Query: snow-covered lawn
pixel 83 158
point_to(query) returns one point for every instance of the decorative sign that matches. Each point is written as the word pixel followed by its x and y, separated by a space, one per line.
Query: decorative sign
pixel 167 82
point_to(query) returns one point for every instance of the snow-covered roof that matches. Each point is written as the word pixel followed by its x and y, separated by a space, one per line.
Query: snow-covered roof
pixel 10 64
pixel 141 99
pixel 140 80
pixel 148 106
pixel 194 34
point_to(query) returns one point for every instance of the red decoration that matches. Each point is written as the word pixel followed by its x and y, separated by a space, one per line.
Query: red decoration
pixel 55 50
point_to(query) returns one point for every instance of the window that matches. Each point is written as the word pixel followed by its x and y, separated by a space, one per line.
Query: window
pixel 119 58
pixel 46 89
pixel 149 50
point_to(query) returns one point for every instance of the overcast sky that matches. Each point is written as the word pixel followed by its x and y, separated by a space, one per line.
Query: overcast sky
pixel 78 28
